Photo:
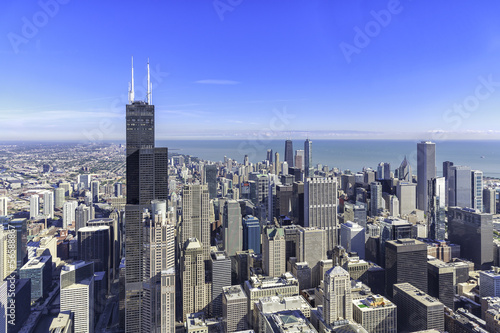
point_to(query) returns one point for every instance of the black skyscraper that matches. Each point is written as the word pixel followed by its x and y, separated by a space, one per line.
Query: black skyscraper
pixel 289 153
pixel 211 180
pixel 147 180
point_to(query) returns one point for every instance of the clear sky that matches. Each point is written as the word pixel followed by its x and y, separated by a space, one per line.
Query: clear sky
pixel 242 68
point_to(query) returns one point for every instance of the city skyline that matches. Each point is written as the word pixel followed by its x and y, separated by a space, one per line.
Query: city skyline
pixel 384 70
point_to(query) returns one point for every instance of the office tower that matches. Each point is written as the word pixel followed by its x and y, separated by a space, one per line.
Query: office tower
pixel 489 282
pixel 258 286
pixel 404 171
pixel 20 301
pixel 460 186
pixel 405 261
pixel 232 227
pixel 308 165
pixel 94 187
pixel 274 251
pixel 394 206
pixel 417 311
pixel 383 171
pixel 446 174
pixel 474 233
pixel 86 180
pixel 118 189
pixel 34 206
pixel 211 179
pixel 69 213
pixel 284 199
pixel 21 230
pixel 277 165
pixel 68 191
pixel 477 190
pixel 82 215
pixel 158 310
pixel 299 159
pixel 220 266
pixel 289 153
pixel 426 170
pixel 407 196
pixel 234 309
pixel 59 197
pixel 39 270
pixel 376 314
pixel 311 248
pixel 352 238
pixel 269 156
pixel 77 294
pixel 8 257
pixel 443 278
pixel 193 278
pixel 437 214
pixel 94 244
pixel 147 180
pixel 320 207
pixel 489 200
pixel 195 220
pixel 337 302
pixel 251 233
pixel 3 306
pixel 284 168
pixel 48 204
pixel 376 201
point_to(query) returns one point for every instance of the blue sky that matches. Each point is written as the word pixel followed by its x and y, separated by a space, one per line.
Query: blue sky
pixel 249 68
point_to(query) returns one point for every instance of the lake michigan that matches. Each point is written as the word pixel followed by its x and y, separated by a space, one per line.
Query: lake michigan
pixel 348 154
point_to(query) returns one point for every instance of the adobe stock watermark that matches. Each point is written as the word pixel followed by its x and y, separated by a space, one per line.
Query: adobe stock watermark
pixel 32 25
pixel 277 124
pixel 223 6
pixel 11 279
pixel 372 29
pixel 455 115
pixel 108 125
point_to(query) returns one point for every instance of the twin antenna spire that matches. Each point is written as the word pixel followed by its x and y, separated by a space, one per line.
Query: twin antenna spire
pixel 131 93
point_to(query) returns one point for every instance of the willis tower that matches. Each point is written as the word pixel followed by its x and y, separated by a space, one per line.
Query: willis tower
pixel 147 185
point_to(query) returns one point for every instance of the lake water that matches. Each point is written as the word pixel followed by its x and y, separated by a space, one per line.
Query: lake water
pixel 348 154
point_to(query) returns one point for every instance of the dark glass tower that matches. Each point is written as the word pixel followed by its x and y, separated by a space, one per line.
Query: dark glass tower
pixel 426 170
pixel 147 180
pixel 308 168
pixel 289 153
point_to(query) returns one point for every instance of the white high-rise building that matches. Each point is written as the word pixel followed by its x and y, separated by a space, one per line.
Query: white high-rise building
pixel 59 197
pixel 320 207
pixel 376 200
pixel 274 252
pixel 477 190
pixel 194 298
pixel 69 213
pixel 77 294
pixel 48 204
pixel 337 299
pixel 3 306
pixel 352 238
pixel 407 196
pixel 34 206
pixel 3 206
pixel 159 293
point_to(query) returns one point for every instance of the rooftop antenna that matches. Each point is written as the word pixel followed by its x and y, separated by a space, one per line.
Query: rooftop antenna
pixel 131 90
pixel 149 87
